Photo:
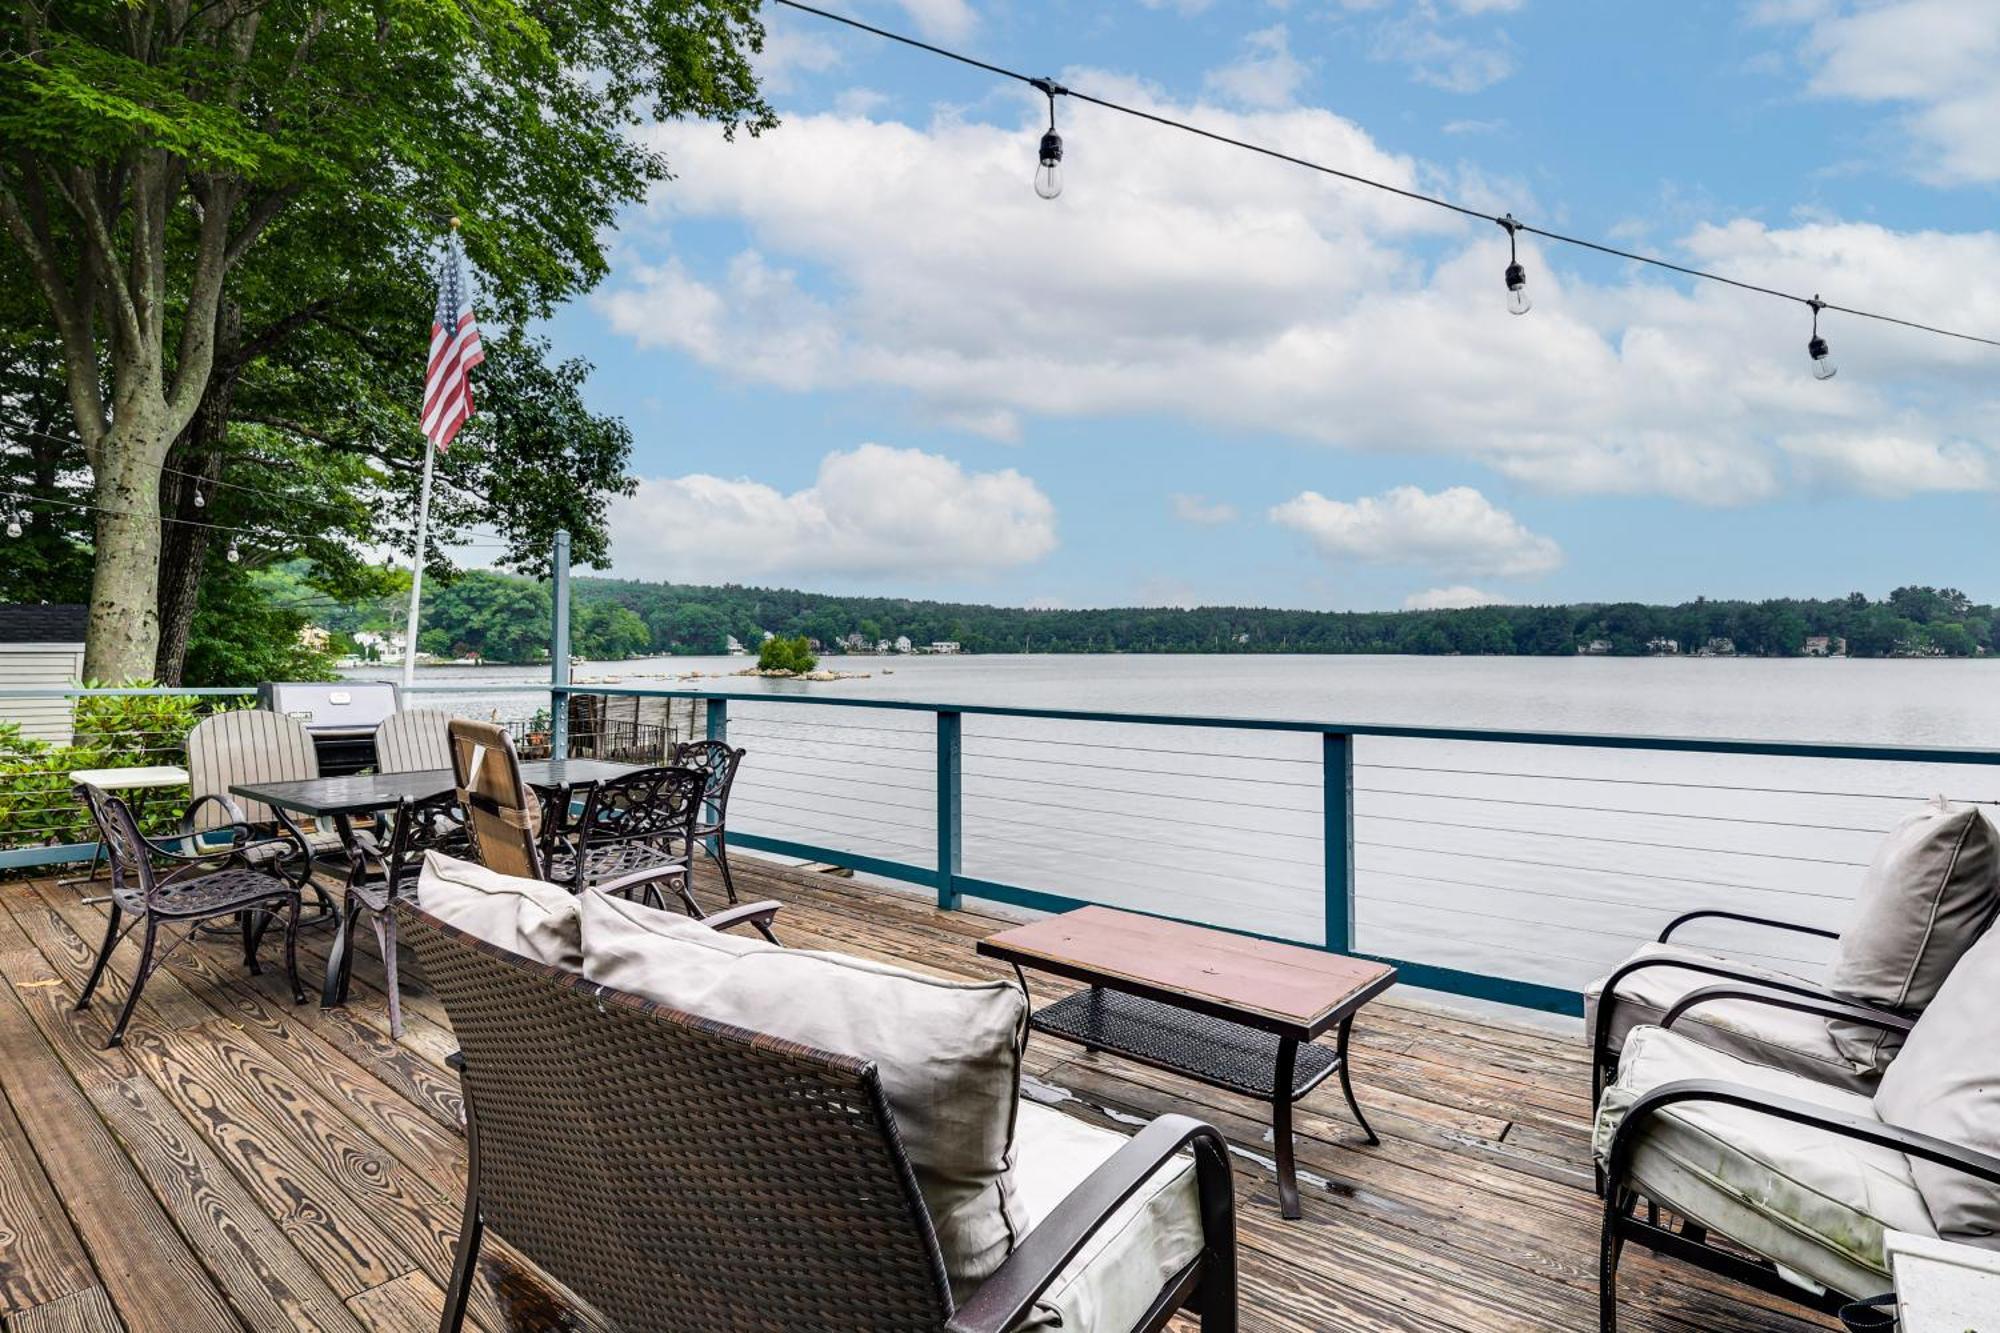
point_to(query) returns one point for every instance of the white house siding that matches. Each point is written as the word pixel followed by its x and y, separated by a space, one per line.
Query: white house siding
pixel 28 665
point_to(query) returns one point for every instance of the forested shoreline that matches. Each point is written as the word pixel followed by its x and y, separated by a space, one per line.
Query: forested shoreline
pixel 505 618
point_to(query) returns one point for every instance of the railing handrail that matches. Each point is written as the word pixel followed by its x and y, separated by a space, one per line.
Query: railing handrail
pixel 1917 754
pixel 239 691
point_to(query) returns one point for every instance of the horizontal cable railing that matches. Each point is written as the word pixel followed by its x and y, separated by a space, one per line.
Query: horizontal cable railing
pixel 1504 864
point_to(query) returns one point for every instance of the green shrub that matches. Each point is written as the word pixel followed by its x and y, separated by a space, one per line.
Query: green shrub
pixel 782 654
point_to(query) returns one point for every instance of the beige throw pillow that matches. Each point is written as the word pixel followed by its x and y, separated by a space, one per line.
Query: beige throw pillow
pixel 530 917
pixel 1929 893
pixel 949 1052
pixel 1946 1083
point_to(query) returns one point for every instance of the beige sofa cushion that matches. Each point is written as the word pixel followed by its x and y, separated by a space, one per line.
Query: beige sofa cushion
pixel 1121 1270
pixel 949 1052
pixel 1946 1083
pixel 529 917
pixel 1813 1201
pixel 1781 1038
pixel 1930 891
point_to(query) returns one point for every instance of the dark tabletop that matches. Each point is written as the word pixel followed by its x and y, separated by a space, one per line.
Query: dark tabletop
pixel 362 793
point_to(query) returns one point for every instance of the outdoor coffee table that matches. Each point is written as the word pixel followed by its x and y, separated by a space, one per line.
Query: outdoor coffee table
pixel 1228 1010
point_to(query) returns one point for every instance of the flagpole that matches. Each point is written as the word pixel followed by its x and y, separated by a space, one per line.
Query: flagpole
pixel 423 533
pixel 417 569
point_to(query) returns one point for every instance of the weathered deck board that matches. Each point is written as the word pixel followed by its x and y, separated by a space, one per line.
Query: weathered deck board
pixel 244 1162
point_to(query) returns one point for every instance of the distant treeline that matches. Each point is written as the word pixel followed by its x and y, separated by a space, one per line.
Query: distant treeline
pixel 504 618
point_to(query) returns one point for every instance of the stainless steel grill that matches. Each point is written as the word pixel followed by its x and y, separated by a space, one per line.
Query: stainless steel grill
pixel 341 715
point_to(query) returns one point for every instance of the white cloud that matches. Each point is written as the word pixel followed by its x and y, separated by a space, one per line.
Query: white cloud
pixel 870 511
pixel 1474 126
pixel 1182 7
pixel 1201 511
pixel 1444 59
pixel 1937 58
pixel 1219 288
pixel 944 20
pixel 790 50
pixel 1455 530
pixel 1888 465
pixel 1450 599
pixel 1267 74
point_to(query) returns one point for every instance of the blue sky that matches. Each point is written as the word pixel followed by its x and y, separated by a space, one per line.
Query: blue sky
pixel 859 354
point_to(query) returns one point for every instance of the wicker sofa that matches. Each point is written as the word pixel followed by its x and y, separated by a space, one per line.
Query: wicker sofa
pixel 681 1174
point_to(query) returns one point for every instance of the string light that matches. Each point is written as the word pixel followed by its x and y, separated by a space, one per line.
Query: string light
pixel 199 502
pixel 1816 348
pixel 1518 301
pixel 13 523
pixel 1822 366
pixel 235 554
pixel 1048 169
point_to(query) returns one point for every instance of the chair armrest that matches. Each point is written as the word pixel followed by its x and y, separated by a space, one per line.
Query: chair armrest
pixel 229 807
pixel 1774 924
pixel 1607 1002
pixel 1826 1008
pixel 667 870
pixel 1971 1161
pixel 1005 1298
pixel 754 914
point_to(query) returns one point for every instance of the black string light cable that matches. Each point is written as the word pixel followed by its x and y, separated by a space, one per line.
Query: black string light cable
pixel 1516 278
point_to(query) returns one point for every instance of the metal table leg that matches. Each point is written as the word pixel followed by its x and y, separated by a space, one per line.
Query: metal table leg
pixel 1347 1084
pixel 1281 1128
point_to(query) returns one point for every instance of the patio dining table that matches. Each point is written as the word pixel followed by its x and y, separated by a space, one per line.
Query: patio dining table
pixel 344 799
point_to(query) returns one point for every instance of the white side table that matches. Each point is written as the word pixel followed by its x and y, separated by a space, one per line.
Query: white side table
pixel 1942 1287
pixel 136 780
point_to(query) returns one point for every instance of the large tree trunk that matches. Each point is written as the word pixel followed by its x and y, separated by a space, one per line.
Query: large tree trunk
pixel 124 613
pixel 197 460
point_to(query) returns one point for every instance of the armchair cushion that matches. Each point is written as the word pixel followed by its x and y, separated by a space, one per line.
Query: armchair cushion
pixel 1119 1273
pixel 1782 1038
pixel 1946 1083
pixel 948 1052
pixel 1930 891
pixel 1814 1202
pixel 529 917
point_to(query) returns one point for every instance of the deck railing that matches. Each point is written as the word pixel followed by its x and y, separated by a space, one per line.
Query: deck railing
pixel 1506 865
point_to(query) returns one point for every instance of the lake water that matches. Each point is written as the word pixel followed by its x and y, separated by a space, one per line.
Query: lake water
pixel 1539 863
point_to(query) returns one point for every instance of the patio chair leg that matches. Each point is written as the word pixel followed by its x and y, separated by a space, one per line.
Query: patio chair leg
pixel 103 957
pixel 718 851
pixel 463 1268
pixel 385 937
pixel 292 949
pixel 340 957
pixel 1609 1247
pixel 248 921
pixel 139 975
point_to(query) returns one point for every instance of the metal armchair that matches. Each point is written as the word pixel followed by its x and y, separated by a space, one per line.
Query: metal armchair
pixel 202 886
pixel 1806 1104
pixel 432 824
pixel 718 763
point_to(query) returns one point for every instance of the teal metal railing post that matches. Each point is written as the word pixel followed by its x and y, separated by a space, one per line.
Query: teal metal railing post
pixel 559 650
pixel 950 809
pixel 1337 784
pixel 718 719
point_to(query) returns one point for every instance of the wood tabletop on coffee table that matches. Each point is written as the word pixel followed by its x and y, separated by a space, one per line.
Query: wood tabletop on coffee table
pixel 1279 987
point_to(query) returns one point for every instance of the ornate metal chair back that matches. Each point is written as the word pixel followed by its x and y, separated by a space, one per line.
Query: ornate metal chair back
pixel 245 745
pixel 502 816
pixel 124 846
pixel 434 823
pixel 658 806
pixel 717 762
pixel 414 741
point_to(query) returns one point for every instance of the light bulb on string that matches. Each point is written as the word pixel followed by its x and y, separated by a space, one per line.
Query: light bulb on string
pixel 1816 348
pixel 13 525
pixel 1518 300
pixel 235 553
pixel 1048 168
pixel 199 501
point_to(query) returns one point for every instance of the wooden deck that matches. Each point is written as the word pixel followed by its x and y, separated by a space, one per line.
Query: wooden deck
pixel 242 1163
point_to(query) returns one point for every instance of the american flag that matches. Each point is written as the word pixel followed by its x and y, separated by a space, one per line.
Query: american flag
pixel 455 350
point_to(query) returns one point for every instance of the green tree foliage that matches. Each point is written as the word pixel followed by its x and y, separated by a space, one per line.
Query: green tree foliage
pixel 189 188
pixel 782 654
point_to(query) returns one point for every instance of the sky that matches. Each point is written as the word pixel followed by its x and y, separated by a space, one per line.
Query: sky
pixel 859 354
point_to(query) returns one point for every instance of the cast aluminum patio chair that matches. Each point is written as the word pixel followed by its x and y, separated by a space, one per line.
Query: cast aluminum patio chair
pixel 683 1175
pixel 718 763
pixel 1805 1176
pixel 434 823
pixel 233 880
pixel 415 740
pixel 635 835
